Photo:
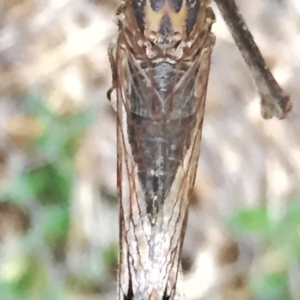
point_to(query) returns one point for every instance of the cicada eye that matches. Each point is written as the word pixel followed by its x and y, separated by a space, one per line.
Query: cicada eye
pixel 193 7
pixel 176 5
pixel 139 11
pixel 156 5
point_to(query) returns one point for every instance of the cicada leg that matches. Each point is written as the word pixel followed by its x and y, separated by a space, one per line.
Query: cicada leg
pixel 113 65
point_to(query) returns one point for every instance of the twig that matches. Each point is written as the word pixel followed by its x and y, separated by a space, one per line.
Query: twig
pixel 274 101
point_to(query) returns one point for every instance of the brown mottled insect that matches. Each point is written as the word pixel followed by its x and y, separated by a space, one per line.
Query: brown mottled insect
pixel 160 66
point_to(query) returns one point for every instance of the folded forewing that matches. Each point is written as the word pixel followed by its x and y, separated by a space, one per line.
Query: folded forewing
pixel 160 109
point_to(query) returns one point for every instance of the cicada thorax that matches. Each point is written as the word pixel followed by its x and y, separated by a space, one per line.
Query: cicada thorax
pixel 164 40
pixel 171 19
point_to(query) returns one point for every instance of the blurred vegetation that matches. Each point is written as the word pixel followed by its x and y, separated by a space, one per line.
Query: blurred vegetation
pixel 35 267
pixel 275 274
pixel 47 249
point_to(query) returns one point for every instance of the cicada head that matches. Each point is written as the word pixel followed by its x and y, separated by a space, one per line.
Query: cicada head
pixel 166 22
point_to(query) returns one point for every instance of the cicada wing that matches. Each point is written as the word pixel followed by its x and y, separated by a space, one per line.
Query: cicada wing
pixel 157 163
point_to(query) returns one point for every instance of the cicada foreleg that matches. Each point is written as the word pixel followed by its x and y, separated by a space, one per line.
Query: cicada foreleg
pixel 113 64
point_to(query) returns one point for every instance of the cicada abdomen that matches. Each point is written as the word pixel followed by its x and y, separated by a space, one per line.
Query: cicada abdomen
pixel 160 67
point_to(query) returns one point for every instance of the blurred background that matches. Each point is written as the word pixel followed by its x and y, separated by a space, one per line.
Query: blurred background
pixel 58 202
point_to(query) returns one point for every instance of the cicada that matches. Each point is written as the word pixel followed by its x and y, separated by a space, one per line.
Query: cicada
pixel 160 64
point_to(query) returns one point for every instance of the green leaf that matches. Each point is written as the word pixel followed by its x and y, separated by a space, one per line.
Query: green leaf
pixel 57 221
pixel 270 286
pixel 50 184
pixel 292 215
pixel 62 135
pixel 110 257
pixel 30 280
pixel 55 291
pixel 250 219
